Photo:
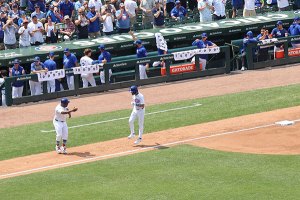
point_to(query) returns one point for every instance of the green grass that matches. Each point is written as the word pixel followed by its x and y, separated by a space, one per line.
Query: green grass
pixel 182 172
pixel 26 140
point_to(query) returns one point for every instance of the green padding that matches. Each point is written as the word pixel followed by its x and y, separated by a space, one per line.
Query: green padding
pixel 176 35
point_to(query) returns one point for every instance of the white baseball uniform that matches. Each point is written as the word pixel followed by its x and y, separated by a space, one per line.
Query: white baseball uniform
pixel 137 112
pixel 87 77
pixel 3 92
pixel 60 123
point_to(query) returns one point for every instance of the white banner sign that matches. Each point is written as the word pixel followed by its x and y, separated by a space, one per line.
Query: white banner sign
pixel 87 69
pixel 51 75
pixel 183 55
pixel 268 41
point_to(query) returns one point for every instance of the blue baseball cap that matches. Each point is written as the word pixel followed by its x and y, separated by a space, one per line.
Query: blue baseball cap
pixel 250 34
pixel 204 35
pixel 51 53
pixel 16 61
pixel 66 50
pixel 296 18
pixel 37 59
pixel 177 2
pixel 279 23
pixel 33 16
pixel 101 46
pixel 138 42
pixel 64 100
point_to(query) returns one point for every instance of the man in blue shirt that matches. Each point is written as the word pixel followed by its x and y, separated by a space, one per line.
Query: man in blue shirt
pixel 141 52
pixel 159 15
pixel 94 26
pixel 54 14
pixel 178 12
pixel 263 50
pixel 36 67
pixel 278 32
pixel 69 62
pixel 17 87
pixel 203 43
pixel 123 18
pixel 247 40
pixel 50 64
pixel 294 30
pixel 104 58
pixel 66 8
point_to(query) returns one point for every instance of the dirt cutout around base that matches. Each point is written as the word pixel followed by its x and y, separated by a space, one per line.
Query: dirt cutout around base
pixel 255 133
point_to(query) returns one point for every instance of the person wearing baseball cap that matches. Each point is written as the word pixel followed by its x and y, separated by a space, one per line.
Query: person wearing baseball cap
pixel 278 32
pixel 141 52
pixel 69 62
pixel 36 31
pixel 203 43
pixel 104 57
pixel 50 64
pixel 60 124
pixel 159 15
pixel 294 30
pixel 178 12
pixel 36 67
pixel 247 40
pixel 94 16
pixel 39 14
pixel 17 86
pixel 24 32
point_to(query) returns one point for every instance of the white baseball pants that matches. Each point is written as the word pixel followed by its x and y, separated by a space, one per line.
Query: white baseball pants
pixel 35 88
pixel 70 82
pixel 89 79
pixel 140 114
pixel 51 86
pixel 296 45
pixel 3 100
pixel 202 62
pixel 102 76
pixel 17 92
pixel 61 129
pixel 143 74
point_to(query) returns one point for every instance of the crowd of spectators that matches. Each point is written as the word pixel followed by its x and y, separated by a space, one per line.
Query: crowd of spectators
pixel 25 23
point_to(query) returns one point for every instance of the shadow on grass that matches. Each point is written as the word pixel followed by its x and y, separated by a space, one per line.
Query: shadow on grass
pixel 155 146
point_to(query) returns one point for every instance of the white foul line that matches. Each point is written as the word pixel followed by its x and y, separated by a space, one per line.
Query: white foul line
pixel 132 151
pixel 117 119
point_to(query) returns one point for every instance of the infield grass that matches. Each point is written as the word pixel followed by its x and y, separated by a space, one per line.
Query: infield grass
pixel 27 139
pixel 181 172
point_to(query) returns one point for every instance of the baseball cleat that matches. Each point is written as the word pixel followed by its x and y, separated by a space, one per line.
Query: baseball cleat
pixel 131 136
pixel 57 149
pixel 138 141
pixel 63 150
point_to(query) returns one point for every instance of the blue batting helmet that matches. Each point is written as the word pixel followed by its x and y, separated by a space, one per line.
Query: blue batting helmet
pixel 134 89
pixel 64 101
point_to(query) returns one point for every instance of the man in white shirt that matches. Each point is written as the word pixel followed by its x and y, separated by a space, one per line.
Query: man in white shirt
pixel 86 61
pixel 219 9
pixel 24 40
pixel 10 29
pixel 146 6
pixel 36 29
pixel 60 124
pixel 249 8
pixel 96 3
pixel 131 8
pixel 283 5
pixel 138 111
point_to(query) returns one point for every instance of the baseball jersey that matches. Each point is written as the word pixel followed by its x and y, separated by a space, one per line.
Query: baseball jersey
pixel 295 30
pixel 58 116
pixel 141 52
pixel 138 99
pixel 69 61
pixel 202 44
pixel 105 55
pixel 86 61
pixel 50 64
pixel 17 72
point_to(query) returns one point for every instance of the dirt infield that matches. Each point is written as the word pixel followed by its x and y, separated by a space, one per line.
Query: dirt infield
pixel 251 134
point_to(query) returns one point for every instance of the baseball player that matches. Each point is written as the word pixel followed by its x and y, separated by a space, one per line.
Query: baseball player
pixel 50 64
pixel 60 124
pixel 17 86
pixel 3 74
pixel 104 58
pixel 69 62
pixel 36 67
pixel 138 111
pixel 86 61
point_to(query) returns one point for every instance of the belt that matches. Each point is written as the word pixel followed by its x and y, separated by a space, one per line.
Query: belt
pixel 59 121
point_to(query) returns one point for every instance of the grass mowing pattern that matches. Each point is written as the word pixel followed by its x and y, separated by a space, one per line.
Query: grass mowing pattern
pixel 182 172
pixel 26 140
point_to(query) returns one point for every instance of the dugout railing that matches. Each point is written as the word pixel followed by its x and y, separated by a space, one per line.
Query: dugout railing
pixel 131 65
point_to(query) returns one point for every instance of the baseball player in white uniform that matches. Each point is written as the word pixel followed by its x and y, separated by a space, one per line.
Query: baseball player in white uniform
pixel 138 103
pixel 86 61
pixel 60 124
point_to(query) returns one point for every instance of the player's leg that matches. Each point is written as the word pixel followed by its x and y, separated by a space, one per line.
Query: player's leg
pixel 140 114
pixel 102 77
pixel 64 137
pixel 143 74
pixel 85 82
pixel 109 74
pixel 203 63
pixel 20 91
pixel 32 87
pixel 59 131
pixel 38 89
pixel 14 92
pixel 131 124
pixel 92 81
pixel 70 81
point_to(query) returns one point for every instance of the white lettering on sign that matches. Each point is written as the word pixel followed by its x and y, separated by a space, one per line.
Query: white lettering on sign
pixel 192 28
pixel 83 43
pixel 278 16
pixel 182 69
pixel 144 34
pixel 230 22
pixel 244 20
pixel 122 37
pixel 214 25
pixel 51 75
pixel 103 40
pixel 171 30
pixel 9 55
